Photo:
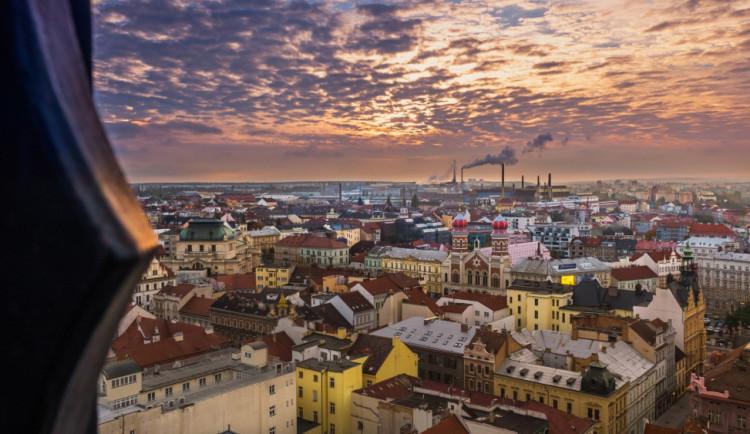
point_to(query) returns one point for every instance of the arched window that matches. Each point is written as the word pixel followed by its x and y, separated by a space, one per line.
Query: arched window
pixel 468 277
pixel 484 279
pixel 495 281
pixel 455 276
pixel 476 278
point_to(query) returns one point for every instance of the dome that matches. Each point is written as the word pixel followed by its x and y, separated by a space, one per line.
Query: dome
pixel 499 224
pixel 206 230
pixel 459 222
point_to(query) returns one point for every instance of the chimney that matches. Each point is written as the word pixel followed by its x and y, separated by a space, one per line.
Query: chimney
pixel 492 416
pixel 454 171
pixel 462 176
pixel 340 195
pixel 464 328
pixel 502 181
pixel 549 185
pixel 209 329
pixel 523 184
pixel 537 187
pixel 156 336
pixel 612 292
pixel 178 337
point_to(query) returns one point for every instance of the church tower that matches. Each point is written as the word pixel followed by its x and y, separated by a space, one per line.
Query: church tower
pixel 499 258
pixel 460 234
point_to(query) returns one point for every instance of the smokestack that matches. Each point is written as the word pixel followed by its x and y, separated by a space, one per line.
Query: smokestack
pixel 340 195
pixel 549 186
pixel 522 183
pixel 454 171
pixel 538 184
pixel 502 181
pixel 462 176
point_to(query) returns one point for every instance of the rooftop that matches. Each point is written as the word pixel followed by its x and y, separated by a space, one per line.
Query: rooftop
pixel 435 334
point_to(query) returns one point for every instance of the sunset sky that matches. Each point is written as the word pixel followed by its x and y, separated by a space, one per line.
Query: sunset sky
pixel 294 90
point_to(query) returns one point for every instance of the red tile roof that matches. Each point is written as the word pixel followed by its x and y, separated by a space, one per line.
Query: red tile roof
pixel 376 348
pixel 645 246
pixel 238 281
pixel 322 243
pixel 417 296
pixel 711 229
pixel 392 388
pixel 144 328
pixel 279 345
pixel 454 308
pixel 180 290
pixel 637 272
pixel 492 302
pixel 380 286
pixel 356 301
pixel 293 240
pixel 197 306
pixel 449 425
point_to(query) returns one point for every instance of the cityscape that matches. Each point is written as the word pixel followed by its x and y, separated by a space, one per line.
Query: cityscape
pixel 459 306
pixel 380 217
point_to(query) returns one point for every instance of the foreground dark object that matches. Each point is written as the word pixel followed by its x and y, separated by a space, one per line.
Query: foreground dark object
pixel 75 240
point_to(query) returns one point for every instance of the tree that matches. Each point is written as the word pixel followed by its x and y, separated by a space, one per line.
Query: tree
pixel 388 203
pixel 651 234
pixel 360 202
pixel 415 201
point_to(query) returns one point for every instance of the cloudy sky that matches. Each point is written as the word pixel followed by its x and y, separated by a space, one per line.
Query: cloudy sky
pixel 266 90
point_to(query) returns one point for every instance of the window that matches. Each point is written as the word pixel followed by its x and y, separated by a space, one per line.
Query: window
pixel 741 422
pixel 536 302
pixel 271 389
pixel 272 410
pixel 217 378
pixel 201 247
pixel 202 382
pixel 151 396
pixel 369 383
pixel 168 392
pixel 301 413
pixel 515 395
pixel 185 387
pixel 554 403
pixel 536 314
pixel 315 416
pixel 299 392
pixel 315 378
pixel 332 429
pixel 332 382
pixel 315 396
pixel 570 408
pixel 272 430
pixel 528 397
pixel 300 374
pixel 332 408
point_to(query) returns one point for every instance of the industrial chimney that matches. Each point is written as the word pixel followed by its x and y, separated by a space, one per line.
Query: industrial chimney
pixel 454 171
pixel 538 184
pixel 462 176
pixel 549 186
pixel 502 181
pixel 522 183
pixel 340 195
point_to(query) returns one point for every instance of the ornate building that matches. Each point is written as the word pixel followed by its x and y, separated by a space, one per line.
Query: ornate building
pixel 241 317
pixel 483 270
pixel 208 244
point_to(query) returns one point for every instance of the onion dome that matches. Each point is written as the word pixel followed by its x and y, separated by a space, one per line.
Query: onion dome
pixel 459 222
pixel 499 225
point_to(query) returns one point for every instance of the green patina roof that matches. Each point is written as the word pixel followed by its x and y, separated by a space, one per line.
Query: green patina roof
pixel 206 230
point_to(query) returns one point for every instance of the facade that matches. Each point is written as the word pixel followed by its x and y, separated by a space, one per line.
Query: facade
pixel 483 270
pixel 421 264
pixel 382 358
pixel 725 279
pixel 661 262
pixel 569 271
pixel 704 246
pixel 170 299
pixel 483 308
pixel 324 393
pixel 241 318
pixel 208 244
pixel 536 305
pixel 439 345
pixel 682 304
pixel 263 239
pixel 721 396
pixel 156 277
pixel 287 250
pixel 325 252
pixel 557 237
pixel 483 356
pixel 355 308
pixel 628 278
pixel 273 276
pixel 243 385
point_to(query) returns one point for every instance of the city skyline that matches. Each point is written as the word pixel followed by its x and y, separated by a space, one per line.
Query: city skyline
pixel 270 91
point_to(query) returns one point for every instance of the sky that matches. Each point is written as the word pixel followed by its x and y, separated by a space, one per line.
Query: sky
pixel 265 90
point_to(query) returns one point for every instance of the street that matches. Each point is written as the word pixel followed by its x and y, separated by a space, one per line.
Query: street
pixel 675 417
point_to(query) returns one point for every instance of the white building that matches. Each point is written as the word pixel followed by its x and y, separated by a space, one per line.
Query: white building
pixel 725 278
pixel 558 236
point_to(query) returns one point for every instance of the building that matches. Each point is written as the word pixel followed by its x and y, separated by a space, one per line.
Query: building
pixel 713 230
pixel 674 231
pixel 439 345
pixel 483 355
pixel 273 276
pixel 208 244
pixel 264 239
pixel 704 246
pixel 661 262
pixel 156 277
pixel 482 270
pixel 382 358
pixel 557 237
pixel 612 385
pixel 241 317
pixel 567 271
pixel 380 293
pixel 681 302
pixel 255 394
pixel 536 304
pixel 287 250
pixel 324 392
pixel 725 279
pixel 347 231
pixel 422 264
pixel 484 308
pixel 323 251
pixel 196 311
pixel 170 299
pixel 721 396
pixel 628 278
pixel 355 308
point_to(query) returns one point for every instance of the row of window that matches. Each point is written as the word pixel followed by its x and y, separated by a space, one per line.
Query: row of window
pixel 126 402
pixel 201 248
pixel 130 379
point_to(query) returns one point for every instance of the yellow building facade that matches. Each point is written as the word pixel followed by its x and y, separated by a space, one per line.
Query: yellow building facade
pixel 272 277
pixel 423 265
pixel 324 392
pixel 400 360
pixel 536 306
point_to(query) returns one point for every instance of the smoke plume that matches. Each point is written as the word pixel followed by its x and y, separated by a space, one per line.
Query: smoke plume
pixel 507 156
pixel 538 143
